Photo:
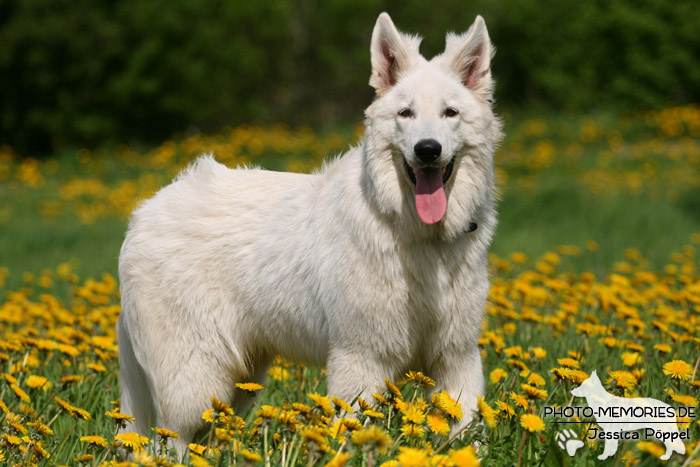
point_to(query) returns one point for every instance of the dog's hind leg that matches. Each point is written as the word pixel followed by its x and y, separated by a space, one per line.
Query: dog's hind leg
pixel 609 449
pixel 674 445
pixel 186 386
pixel 136 398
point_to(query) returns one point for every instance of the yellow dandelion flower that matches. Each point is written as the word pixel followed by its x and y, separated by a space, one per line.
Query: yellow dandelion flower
pixel 438 424
pixel 38 450
pixel 535 393
pixel 9 378
pixel 165 433
pixel 486 411
pixel 663 348
pixel 610 341
pixel 197 448
pixel 197 461
pixel 268 411
pixel 631 358
pixel 341 405
pixel 381 400
pixel 681 399
pixel 131 441
pixel 515 351
pixel 42 429
pixel 351 424
pixel 683 422
pixel 412 430
pixel 531 422
pixel 20 393
pixel 98 367
pixel 15 421
pixel 678 369
pixel 322 403
pixel 576 376
pixel 520 400
pixel 518 257
pixel 251 456
pixel 316 436
pixel 568 362
pixel 622 378
pixel 303 408
pixel 74 411
pixel 373 414
pixel 38 382
pixel 83 458
pixel 363 405
pixel 221 406
pixel 465 457
pixel 390 463
pixel 414 413
pixel 447 404
pixel 94 440
pixel 143 459
pixel 394 389
pixel 539 352
pixel 250 387
pixel 505 408
pixel 289 418
pixel 497 375
pixel 413 457
pixel 535 379
pixel 71 379
pixel 120 417
pixel 278 373
pixel 372 437
pixel 12 439
pixel 420 378
pixel 209 416
pixel 339 460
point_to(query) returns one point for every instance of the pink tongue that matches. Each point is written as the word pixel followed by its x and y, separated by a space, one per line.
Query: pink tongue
pixel 430 195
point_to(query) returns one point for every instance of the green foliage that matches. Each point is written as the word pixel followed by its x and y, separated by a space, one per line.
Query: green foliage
pixel 89 73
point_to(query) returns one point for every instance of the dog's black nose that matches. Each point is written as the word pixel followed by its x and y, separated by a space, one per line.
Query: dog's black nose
pixel 427 150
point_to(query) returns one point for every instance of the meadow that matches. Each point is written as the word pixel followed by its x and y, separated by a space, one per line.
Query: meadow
pixel 595 266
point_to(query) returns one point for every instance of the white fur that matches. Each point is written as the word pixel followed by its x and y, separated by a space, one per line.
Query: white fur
pixel 223 269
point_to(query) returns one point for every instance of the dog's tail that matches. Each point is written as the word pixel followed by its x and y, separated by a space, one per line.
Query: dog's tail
pixel 136 398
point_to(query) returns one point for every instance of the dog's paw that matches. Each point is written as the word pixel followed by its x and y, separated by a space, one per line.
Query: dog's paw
pixel 567 440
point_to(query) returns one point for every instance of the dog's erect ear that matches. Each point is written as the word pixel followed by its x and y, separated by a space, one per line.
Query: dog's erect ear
pixel 392 54
pixel 470 57
pixel 594 376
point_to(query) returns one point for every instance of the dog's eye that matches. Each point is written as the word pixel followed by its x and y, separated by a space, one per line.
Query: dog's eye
pixel 451 112
pixel 405 113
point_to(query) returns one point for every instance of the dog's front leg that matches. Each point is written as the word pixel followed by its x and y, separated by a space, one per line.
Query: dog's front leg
pixel 351 373
pixel 461 375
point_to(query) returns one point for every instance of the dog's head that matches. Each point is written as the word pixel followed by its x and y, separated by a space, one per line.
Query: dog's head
pixel 589 387
pixel 431 130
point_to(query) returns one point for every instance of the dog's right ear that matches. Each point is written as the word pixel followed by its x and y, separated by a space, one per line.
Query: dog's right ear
pixel 392 54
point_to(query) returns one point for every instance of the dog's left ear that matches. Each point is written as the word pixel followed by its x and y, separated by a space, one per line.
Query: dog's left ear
pixel 470 57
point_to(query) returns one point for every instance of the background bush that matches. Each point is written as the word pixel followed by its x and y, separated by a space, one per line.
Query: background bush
pixel 86 72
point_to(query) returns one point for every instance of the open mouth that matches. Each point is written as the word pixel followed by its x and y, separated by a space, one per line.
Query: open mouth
pixel 446 171
pixel 429 182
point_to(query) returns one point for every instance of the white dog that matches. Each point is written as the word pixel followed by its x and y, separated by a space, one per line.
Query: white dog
pixel 617 416
pixel 373 266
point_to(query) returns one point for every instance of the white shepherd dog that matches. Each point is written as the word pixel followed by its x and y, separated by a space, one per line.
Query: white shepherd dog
pixel 373 266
